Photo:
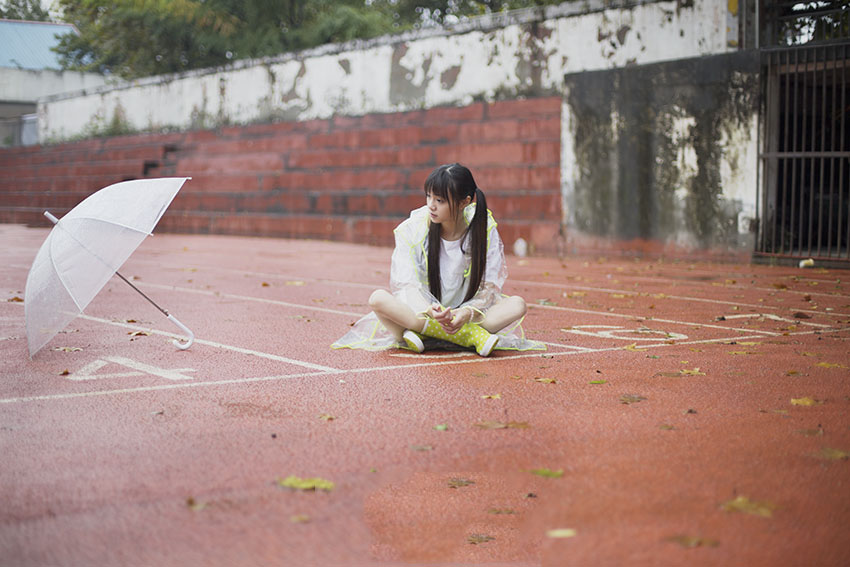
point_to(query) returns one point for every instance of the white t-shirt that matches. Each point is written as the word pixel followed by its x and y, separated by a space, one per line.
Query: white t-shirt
pixel 453 266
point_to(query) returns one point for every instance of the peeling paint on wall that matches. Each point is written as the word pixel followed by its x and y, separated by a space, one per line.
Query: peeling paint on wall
pixel 656 151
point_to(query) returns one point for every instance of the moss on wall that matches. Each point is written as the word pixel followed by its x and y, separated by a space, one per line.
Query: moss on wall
pixel 649 145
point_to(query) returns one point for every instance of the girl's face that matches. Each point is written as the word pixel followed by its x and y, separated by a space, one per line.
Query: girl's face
pixel 439 208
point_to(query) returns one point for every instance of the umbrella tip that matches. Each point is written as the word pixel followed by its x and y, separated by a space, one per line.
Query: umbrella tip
pixel 53 219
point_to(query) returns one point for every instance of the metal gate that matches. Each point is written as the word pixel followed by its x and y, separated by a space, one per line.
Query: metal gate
pixel 805 158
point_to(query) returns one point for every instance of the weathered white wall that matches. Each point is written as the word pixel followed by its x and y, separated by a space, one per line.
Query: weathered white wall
pixel 27 85
pixel 499 56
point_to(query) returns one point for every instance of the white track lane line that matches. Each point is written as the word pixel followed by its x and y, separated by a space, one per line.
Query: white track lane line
pixel 240 350
pixel 372 369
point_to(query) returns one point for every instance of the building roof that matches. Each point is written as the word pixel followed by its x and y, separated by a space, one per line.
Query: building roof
pixel 26 45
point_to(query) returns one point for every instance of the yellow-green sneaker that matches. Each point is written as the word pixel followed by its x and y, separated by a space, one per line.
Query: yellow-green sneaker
pixel 413 341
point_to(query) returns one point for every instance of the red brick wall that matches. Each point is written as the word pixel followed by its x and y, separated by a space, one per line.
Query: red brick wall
pixel 345 178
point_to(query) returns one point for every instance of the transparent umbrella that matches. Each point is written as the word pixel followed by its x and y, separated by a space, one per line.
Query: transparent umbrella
pixel 86 247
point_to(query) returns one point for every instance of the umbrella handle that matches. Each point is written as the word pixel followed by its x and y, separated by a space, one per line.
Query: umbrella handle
pixel 189 340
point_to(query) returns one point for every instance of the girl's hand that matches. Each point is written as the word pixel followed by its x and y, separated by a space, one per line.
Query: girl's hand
pixel 454 320
pixel 436 311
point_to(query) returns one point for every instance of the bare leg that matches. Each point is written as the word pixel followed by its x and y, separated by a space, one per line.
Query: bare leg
pixel 395 315
pixel 504 313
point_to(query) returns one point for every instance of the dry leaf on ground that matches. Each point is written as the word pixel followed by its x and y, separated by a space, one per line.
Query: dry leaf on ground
pixel 745 505
pixel 306 484
pixel 561 533
pixel 548 473
pixel 691 541
pixel 834 454
pixel 830 365
pixel 502 425
pixel 805 401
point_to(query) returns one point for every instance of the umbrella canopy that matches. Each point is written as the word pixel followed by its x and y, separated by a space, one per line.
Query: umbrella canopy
pixel 85 249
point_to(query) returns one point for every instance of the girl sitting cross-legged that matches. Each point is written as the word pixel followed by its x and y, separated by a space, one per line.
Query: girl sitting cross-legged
pixel 446 277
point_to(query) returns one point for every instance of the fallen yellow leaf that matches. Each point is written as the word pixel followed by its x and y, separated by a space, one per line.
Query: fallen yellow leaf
pixel 502 425
pixel 460 482
pixel 306 484
pixel 561 533
pixel 475 539
pixel 492 396
pixel 693 372
pixel 691 542
pixel 548 473
pixel 830 365
pixel 834 454
pixel 745 505
pixel 806 401
pixel 633 347
pixel 195 504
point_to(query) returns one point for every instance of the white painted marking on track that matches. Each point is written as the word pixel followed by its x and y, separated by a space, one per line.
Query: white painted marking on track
pixel 89 371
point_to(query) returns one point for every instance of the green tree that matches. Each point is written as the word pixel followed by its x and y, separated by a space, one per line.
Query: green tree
pixel 30 10
pixel 135 38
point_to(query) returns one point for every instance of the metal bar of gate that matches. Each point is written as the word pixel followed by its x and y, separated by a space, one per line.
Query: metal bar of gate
pixel 822 148
pixel 843 148
pixel 808 140
pixel 793 180
pixel 782 203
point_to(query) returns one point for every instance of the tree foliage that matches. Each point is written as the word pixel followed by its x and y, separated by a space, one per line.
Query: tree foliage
pixel 30 10
pixel 135 38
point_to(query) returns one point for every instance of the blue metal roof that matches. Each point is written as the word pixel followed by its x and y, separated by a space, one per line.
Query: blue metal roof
pixel 26 45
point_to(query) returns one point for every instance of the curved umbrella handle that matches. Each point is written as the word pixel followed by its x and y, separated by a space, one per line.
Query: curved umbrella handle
pixel 189 340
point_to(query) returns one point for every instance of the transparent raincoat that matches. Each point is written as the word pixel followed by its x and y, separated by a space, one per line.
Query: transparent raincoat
pixel 409 283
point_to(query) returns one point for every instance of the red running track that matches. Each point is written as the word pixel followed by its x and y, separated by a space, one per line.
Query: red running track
pixel 141 454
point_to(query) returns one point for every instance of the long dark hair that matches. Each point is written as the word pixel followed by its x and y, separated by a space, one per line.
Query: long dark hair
pixel 454 183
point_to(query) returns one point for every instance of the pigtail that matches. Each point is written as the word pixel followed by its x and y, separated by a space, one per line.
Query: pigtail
pixel 434 283
pixel 478 244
